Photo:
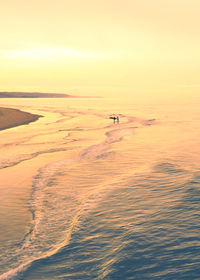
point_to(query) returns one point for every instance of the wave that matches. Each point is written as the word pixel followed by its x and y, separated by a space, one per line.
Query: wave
pixel 56 205
pixel 13 273
pixel 112 136
pixel 6 164
pixel 168 168
pixel 36 238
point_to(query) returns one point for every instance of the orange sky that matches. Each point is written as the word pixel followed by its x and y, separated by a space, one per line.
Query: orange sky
pixel 146 48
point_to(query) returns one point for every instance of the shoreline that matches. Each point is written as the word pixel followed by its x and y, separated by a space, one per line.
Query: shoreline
pixel 14 117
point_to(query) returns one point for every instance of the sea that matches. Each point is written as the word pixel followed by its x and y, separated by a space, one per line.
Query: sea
pixel 84 198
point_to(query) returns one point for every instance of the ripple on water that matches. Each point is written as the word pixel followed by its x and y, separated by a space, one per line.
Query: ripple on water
pixel 135 233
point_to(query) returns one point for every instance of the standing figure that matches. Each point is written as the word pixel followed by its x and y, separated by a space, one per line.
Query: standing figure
pixel 114 118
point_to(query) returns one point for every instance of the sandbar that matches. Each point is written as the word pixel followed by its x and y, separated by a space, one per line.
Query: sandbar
pixel 13 117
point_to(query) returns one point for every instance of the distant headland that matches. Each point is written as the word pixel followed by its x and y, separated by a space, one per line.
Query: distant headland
pixel 37 95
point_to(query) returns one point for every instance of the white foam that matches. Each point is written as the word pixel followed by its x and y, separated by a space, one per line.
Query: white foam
pixel 13 273
pixel 33 243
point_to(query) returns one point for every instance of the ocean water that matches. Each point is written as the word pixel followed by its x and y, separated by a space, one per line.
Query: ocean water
pixel 84 198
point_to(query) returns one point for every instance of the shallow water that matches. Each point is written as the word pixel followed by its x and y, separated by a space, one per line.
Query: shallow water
pixel 83 198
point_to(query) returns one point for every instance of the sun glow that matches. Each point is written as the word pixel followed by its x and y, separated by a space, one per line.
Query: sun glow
pixel 45 54
pixel 134 47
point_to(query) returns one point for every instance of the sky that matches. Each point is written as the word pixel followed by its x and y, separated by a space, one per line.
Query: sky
pixel 144 48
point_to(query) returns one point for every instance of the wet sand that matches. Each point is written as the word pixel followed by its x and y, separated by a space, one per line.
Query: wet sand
pixel 13 117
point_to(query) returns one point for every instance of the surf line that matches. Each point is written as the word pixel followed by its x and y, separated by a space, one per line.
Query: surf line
pixel 91 152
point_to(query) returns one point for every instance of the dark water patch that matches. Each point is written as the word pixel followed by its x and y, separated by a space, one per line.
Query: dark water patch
pixel 194 181
pixel 129 236
pixel 169 168
pixel 105 155
pixel 189 201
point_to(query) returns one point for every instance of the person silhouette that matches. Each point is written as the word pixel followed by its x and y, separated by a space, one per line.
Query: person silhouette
pixel 113 118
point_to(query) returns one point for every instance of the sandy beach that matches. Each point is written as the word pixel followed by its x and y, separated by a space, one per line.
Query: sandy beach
pixel 83 197
pixel 13 117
